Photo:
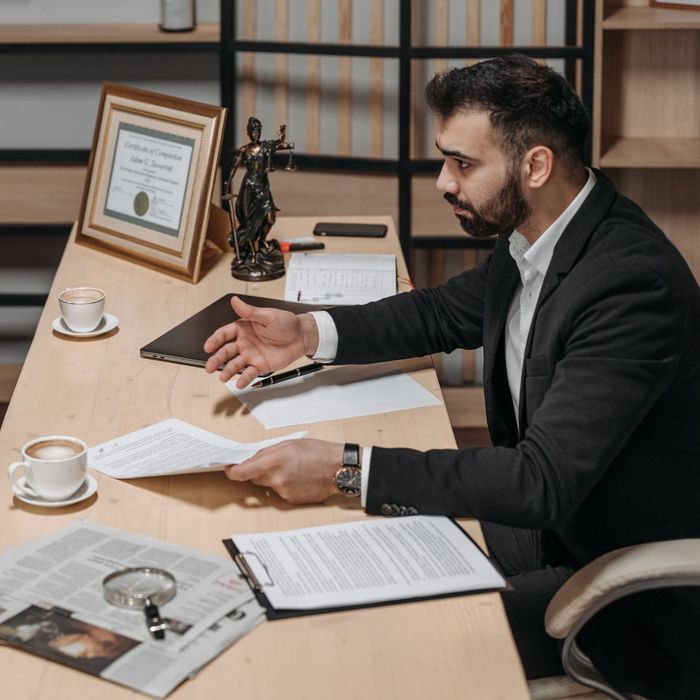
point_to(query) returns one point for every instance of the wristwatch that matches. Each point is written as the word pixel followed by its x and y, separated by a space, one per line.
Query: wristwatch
pixel 348 478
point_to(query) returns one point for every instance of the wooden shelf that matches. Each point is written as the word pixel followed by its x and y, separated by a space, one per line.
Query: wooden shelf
pixel 651 18
pixel 53 34
pixel 40 194
pixel 618 152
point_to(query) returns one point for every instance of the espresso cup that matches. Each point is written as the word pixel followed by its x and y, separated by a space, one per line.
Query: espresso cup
pixel 82 308
pixel 54 467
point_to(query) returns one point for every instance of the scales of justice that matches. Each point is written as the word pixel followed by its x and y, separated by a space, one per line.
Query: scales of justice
pixel 254 212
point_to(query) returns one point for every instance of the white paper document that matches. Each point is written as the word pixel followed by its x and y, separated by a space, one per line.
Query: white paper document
pixel 334 393
pixel 366 562
pixel 340 279
pixel 172 447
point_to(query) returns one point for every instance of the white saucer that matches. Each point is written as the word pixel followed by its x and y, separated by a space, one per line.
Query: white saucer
pixel 88 487
pixel 106 324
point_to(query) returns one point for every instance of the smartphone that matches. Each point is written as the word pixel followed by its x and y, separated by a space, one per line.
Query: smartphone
pixel 325 228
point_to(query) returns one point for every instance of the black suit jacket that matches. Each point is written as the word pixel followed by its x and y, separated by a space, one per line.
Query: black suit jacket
pixel 608 450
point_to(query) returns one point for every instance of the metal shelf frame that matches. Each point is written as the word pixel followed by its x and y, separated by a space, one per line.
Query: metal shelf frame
pixel 404 167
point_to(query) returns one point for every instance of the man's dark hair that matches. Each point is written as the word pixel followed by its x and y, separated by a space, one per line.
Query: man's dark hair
pixel 528 103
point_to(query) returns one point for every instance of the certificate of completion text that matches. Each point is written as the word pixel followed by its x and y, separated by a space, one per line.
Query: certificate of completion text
pixel 148 181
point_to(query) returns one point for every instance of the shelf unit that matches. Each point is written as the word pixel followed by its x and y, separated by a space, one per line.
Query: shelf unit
pixel 646 118
pixel 40 189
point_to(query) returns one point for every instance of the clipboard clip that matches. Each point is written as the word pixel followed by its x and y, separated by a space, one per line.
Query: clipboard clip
pixel 248 573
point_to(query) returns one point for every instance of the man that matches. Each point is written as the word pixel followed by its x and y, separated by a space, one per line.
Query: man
pixel 588 317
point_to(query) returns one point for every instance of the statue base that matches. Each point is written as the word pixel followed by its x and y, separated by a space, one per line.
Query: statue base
pixel 243 272
pixel 267 264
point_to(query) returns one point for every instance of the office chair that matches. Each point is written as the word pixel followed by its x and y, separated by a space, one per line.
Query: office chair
pixel 610 577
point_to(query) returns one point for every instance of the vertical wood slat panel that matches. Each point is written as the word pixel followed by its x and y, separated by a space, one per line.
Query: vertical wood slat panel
pixel 281 71
pixel 248 93
pixel 313 91
pixel 442 18
pixel 506 22
pixel 344 80
pixel 539 22
pixel 473 26
pixel 376 78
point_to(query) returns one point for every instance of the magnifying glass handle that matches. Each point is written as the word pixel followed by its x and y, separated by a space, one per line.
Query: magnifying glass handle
pixel 155 624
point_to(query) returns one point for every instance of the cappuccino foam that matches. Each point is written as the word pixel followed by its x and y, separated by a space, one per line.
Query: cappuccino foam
pixel 54 450
pixel 81 296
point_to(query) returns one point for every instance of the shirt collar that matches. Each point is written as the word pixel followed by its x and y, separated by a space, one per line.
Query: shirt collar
pixel 536 257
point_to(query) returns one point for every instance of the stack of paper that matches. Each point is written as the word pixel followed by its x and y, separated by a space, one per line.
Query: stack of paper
pixel 52 605
pixel 340 279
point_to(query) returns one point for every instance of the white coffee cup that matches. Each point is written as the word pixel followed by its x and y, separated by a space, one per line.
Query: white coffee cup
pixel 54 467
pixel 82 308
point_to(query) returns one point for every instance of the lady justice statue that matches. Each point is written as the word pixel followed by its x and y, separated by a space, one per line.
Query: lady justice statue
pixel 255 212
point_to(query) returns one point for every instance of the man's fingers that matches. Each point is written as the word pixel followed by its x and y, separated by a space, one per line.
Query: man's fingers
pixel 232 368
pixel 220 337
pixel 251 313
pixel 247 376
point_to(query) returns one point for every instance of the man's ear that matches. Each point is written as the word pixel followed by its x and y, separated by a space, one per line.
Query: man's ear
pixel 537 165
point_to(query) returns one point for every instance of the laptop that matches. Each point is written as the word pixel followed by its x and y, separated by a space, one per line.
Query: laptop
pixel 183 344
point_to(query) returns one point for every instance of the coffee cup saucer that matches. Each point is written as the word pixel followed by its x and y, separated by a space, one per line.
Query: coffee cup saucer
pixel 107 323
pixel 87 488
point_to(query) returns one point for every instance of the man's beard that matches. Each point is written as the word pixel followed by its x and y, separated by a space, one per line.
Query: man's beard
pixel 502 213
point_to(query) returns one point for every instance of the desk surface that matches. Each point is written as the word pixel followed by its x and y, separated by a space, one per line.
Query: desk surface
pixel 100 388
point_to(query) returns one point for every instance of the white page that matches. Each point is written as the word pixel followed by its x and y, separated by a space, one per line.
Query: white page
pixel 365 562
pixel 334 393
pixel 172 447
pixel 340 279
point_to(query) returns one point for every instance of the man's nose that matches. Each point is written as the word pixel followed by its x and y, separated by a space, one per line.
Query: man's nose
pixel 445 181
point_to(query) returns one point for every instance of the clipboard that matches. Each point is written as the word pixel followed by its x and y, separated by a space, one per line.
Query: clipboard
pixel 258 584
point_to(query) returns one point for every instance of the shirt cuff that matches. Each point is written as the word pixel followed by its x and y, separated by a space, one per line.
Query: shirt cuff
pixel 327 337
pixel 364 474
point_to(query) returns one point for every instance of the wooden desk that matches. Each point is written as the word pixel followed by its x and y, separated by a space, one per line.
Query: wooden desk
pixel 100 388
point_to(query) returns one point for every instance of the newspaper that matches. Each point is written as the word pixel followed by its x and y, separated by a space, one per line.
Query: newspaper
pixel 51 604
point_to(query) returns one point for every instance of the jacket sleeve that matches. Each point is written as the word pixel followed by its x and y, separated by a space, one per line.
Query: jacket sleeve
pixel 620 347
pixel 415 323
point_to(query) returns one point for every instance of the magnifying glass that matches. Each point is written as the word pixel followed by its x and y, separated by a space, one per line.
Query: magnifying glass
pixel 144 588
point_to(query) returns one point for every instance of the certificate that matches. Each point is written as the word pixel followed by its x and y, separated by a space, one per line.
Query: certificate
pixel 150 179
pixel 149 176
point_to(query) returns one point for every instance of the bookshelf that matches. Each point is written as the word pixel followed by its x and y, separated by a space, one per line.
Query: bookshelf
pixel 646 117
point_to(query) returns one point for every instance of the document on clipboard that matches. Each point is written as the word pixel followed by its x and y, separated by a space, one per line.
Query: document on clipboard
pixel 362 564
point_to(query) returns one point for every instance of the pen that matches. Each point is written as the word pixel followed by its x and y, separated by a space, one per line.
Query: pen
pixel 284 376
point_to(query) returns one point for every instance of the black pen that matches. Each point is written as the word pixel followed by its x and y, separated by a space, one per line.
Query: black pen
pixel 284 376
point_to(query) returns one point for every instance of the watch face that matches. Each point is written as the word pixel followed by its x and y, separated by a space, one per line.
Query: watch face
pixel 348 481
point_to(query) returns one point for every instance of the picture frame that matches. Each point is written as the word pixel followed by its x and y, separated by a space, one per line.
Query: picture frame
pixel 150 179
pixel 676 4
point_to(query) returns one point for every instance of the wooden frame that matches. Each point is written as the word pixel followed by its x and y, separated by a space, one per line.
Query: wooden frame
pixel 150 179
pixel 678 4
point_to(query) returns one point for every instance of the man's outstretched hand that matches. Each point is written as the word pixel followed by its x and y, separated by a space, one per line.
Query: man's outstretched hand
pixel 263 340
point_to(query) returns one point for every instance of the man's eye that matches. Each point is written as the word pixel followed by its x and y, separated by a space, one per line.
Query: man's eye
pixel 462 164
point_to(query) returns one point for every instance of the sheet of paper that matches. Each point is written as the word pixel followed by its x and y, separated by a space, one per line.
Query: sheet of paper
pixel 334 393
pixel 365 562
pixel 340 279
pixel 172 447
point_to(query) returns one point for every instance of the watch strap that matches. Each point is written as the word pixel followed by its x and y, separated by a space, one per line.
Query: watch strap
pixel 351 455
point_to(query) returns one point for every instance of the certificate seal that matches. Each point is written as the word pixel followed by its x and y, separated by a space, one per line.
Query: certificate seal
pixel 141 203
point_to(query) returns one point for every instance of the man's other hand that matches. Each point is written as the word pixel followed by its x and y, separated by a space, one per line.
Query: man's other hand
pixel 300 471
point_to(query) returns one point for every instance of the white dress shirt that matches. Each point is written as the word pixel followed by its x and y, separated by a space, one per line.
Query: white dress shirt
pixel 532 261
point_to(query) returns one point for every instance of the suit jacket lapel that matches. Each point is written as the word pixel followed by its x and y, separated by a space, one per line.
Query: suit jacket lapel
pixel 504 279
